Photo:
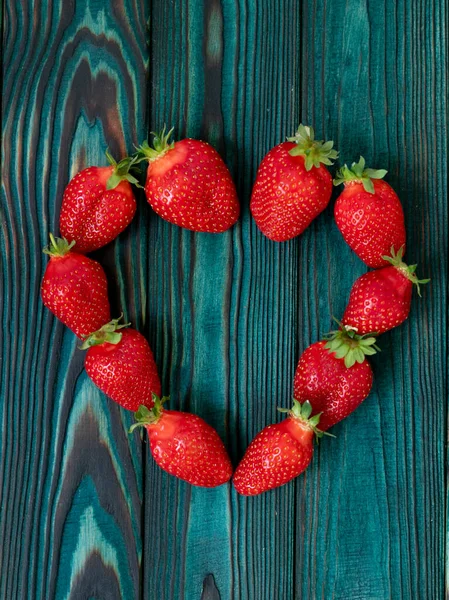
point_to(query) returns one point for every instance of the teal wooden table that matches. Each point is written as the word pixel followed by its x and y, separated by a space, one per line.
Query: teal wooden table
pixel 84 512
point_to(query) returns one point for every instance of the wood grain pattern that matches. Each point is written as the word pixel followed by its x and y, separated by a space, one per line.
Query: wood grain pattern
pixel 226 310
pixel 84 513
pixel 70 478
pixel 372 83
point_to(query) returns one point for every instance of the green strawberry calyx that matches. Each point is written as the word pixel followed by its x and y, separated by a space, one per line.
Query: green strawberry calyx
pixel 58 247
pixel 315 152
pixel 109 333
pixel 347 345
pixel 408 270
pixel 149 416
pixel 122 171
pixel 160 147
pixel 358 173
pixel 302 412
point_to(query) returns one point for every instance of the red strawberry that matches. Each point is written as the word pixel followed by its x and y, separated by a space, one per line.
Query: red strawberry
pixel 278 453
pixel 121 364
pixel 292 186
pixel 334 376
pixel 369 214
pixel 75 289
pixel 188 184
pixel 98 204
pixel 380 300
pixel 184 445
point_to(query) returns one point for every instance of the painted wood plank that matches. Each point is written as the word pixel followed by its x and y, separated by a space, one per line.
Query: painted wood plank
pixel 223 308
pixel 70 477
pixel 373 522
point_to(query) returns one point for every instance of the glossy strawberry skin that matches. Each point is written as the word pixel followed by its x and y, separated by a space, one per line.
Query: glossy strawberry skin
pixel 75 290
pixel 286 198
pixel 370 223
pixel 185 446
pixel 379 301
pixel 333 389
pixel 278 454
pixel 126 372
pixel 91 214
pixel 190 186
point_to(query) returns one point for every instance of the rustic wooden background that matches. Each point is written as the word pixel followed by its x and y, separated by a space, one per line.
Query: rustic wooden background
pixel 83 511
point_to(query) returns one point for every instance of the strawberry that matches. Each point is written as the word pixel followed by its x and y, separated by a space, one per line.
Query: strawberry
pixel 184 445
pixel 98 204
pixel 278 453
pixel 292 185
pixel 75 289
pixel 369 214
pixel 120 362
pixel 188 184
pixel 334 375
pixel 380 300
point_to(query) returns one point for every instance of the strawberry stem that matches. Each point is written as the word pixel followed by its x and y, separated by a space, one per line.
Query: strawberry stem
pixel 302 412
pixel 358 173
pixel 408 270
pixel 161 146
pixel 106 334
pixel 149 416
pixel 315 152
pixel 122 171
pixel 58 247
pixel 347 345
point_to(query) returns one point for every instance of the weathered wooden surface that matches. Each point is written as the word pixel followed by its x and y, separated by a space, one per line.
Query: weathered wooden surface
pixel 227 315
pixel 372 82
pixel 74 82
